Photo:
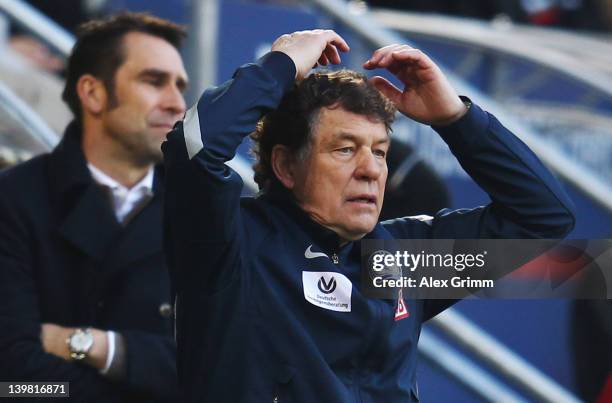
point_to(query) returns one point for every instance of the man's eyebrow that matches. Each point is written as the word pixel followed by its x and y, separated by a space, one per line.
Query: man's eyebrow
pixel 181 82
pixel 386 140
pixel 351 137
pixel 344 136
pixel 154 73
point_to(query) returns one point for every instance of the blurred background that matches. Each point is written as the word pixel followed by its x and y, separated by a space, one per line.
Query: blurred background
pixel 543 67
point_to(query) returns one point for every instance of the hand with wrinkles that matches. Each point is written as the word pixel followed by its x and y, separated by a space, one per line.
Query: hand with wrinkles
pixel 306 48
pixel 427 96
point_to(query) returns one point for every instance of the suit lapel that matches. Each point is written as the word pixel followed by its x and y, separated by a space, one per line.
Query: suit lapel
pixel 91 225
pixel 86 219
pixel 142 237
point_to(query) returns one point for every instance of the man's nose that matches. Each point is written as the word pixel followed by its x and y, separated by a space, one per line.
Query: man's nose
pixel 369 166
pixel 173 101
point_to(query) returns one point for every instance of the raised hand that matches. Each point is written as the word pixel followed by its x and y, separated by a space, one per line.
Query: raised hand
pixel 427 96
pixel 306 48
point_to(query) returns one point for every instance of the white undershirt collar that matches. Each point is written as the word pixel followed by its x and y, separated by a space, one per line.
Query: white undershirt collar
pixel 125 200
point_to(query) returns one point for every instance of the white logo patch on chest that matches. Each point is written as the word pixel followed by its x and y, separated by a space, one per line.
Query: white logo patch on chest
pixel 309 254
pixel 327 290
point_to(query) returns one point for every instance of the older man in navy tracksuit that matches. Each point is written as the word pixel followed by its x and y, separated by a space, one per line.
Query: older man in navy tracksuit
pixel 245 269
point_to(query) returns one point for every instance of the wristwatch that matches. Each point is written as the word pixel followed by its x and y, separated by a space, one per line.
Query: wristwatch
pixel 79 343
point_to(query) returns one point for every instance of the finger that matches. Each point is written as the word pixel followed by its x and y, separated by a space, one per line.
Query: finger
pixel 402 68
pixel 332 55
pixel 390 64
pixel 387 88
pixel 380 54
pixel 405 60
pixel 387 58
pixel 335 39
pixel 323 60
pixel 412 55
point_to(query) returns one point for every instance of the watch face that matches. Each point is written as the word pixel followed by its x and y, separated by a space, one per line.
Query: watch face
pixel 81 341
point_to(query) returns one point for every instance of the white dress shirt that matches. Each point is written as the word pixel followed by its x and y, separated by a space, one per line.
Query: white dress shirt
pixel 125 200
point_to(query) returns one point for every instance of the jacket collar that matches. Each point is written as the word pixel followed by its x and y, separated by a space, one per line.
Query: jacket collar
pixel 68 167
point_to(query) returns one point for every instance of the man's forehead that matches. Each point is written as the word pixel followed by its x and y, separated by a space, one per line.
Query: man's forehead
pixel 142 51
pixel 339 124
pixel 340 135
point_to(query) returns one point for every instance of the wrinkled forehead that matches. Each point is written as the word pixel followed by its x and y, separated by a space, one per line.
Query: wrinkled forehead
pixel 337 124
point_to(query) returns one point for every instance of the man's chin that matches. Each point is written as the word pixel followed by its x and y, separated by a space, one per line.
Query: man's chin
pixel 357 232
pixel 150 157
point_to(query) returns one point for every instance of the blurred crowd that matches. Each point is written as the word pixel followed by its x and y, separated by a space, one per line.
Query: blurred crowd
pixel 68 14
pixel 592 15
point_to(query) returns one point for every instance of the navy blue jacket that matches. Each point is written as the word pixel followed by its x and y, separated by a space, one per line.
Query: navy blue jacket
pixel 65 259
pixel 246 329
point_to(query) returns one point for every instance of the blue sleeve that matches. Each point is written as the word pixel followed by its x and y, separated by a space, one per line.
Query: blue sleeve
pixel 202 204
pixel 526 200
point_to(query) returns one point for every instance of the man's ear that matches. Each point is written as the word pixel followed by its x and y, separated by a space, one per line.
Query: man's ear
pixel 92 94
pixel 282 162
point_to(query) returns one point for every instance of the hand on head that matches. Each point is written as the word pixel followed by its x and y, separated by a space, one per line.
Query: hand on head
pixel 307 48
pixel 427 96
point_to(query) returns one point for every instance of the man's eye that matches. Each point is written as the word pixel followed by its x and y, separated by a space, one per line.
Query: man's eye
pixel 155 83
pixel 380 153
pixel 345 150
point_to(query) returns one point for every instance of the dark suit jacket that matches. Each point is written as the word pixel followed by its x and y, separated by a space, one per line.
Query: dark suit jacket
pixel 65 259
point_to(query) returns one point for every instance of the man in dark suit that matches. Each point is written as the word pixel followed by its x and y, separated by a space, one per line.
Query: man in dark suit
pixel 84 288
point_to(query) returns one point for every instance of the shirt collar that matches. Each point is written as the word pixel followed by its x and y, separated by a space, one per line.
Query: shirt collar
pixel 102 178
